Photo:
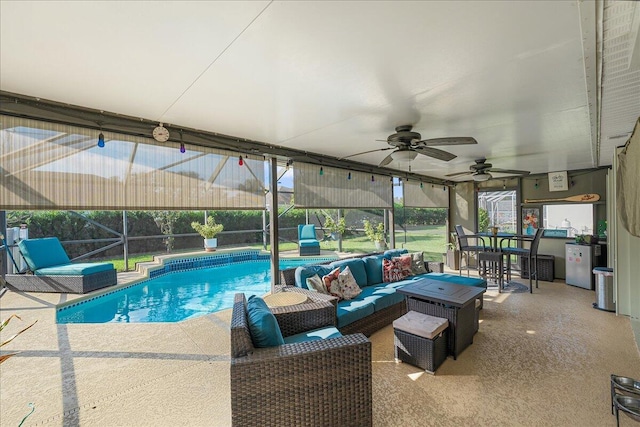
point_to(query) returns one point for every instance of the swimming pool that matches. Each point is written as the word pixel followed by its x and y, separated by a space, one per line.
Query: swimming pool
pixel 179 292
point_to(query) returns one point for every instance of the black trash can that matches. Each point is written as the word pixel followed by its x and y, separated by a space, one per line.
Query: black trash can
pixel 604 289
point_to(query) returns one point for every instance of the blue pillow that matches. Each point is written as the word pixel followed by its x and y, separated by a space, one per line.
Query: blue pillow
pixel 303 273
pixel 263 325
pixel 392 253
pixel 373 267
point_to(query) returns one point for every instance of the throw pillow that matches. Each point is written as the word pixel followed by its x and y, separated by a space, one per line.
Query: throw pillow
pixel 391 270
pixel 264 328
pixel 406 262
pixel 331 282
pixel 417 263
pixel 315 283
pixel 348 285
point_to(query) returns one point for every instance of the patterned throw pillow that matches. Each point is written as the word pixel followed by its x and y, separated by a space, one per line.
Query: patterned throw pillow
pixel 315 283
pixel 417 263
pixel 391 270
pixel 348 285
pixel 406 262
pixel 331 282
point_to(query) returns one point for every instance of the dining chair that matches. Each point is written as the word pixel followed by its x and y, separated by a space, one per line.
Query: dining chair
pixel 530 253
pixel 465 246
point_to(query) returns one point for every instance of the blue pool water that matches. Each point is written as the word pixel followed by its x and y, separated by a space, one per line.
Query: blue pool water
pixel 177 296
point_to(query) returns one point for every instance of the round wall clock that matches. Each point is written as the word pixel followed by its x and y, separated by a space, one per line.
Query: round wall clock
pixel 161 134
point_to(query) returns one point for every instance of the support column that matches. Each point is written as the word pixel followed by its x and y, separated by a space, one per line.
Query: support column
pixel 392 229
pixel 4 257
pixel 339 234
pixel 273 224
pixel 125 240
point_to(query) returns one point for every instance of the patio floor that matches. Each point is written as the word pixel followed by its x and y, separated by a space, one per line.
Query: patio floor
pixel 541 359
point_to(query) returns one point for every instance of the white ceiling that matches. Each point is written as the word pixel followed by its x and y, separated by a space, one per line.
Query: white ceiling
pixel 333 77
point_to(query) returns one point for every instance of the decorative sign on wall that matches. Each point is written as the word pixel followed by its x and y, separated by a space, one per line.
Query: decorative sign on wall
pixel 558 181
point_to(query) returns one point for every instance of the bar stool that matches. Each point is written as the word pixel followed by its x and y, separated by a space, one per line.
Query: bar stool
pixel 492 266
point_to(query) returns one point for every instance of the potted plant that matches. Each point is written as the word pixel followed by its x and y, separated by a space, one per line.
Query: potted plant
pixel 335 228
pixel 208 232
pixel 375 234
pixel 452 257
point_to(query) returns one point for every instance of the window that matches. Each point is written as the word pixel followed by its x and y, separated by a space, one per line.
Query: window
pixel 575 218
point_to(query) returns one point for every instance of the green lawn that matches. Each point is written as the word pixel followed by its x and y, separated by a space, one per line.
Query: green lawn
pixel 429 239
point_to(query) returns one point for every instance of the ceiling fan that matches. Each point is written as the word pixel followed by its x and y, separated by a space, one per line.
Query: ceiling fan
pixel 480 171
pixel 408 145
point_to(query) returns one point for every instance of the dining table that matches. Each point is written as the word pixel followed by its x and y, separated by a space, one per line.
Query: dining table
pixel 496 238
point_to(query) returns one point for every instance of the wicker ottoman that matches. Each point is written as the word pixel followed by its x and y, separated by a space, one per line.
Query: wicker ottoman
pixel 421 340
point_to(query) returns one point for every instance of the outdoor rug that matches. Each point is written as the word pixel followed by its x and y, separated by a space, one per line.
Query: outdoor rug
pixel 510 287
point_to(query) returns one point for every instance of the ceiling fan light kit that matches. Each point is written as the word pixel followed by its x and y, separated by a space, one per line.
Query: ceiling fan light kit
pixel 483 176
pixel 404 155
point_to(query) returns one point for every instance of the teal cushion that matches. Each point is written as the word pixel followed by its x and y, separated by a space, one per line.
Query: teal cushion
pixel 79 269
pixel 308 243
pixel 315 335
pixel 263 325
pixel 391 253
pixel 381 296
pixel 356 265
pixel 373 267
pixel 41 253
pixel 303 273
pixel 307 231
pixel 458 280
pixel 351 310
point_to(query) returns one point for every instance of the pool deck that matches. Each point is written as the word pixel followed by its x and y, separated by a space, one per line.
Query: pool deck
pixel 114 374
pixel 121 374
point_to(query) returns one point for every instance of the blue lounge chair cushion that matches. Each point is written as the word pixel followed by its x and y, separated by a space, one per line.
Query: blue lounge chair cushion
pixel 74 269
pixel 307 231
pixel 356 265
pixel 41 253
pixel 308 243
pixel 303 273
pixel 351 310
pixel 265 331
pixel 314 335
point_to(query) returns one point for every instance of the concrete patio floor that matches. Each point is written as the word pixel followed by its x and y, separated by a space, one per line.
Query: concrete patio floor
pixel 178 373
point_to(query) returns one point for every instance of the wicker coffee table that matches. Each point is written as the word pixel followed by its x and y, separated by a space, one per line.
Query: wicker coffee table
pixel 453 302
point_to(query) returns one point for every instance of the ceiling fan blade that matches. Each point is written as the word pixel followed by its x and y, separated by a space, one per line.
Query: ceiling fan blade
pixel 366 152
pixel 386 161
pixel 459 174
pixel 435 153
pixel 456 140
pixel 510 171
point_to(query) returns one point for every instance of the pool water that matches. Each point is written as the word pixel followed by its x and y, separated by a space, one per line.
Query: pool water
pixel 177 296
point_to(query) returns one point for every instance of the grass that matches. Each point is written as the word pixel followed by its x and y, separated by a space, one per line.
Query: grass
pixel 430 239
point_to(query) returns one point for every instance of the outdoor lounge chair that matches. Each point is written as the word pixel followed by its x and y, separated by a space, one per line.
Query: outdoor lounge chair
pixel 321 382
pixel 52 271
pixel 307 241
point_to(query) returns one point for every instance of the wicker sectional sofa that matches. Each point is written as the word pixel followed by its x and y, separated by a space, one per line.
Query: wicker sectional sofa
pixel 379 304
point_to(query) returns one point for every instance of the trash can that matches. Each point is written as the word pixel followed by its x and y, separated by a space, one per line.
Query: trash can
pixel 604 289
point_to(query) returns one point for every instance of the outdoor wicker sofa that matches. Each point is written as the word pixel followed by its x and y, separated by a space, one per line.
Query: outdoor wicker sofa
pixel 52 271
pixel 322 382
pixel 378 305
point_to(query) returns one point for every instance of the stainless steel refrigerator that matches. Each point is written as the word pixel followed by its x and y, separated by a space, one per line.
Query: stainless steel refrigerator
pixel 580 261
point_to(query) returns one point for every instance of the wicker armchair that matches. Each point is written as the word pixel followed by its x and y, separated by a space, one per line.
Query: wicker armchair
pixel 313 383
